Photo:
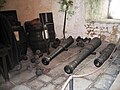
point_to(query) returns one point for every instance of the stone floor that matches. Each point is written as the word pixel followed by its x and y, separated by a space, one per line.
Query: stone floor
pixel 54 77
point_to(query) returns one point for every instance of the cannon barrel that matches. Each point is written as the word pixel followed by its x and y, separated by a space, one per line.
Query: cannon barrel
pixel 104 55
pixel 65 44
pixel 88 49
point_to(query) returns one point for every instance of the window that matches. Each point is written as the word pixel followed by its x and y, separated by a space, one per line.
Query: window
pixel 114 9
pixel 102 9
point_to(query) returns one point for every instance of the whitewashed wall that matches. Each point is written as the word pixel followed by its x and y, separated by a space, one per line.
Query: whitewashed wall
pixel 30 9
pixel 75 26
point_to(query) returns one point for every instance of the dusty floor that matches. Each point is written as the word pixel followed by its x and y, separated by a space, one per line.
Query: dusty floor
pixel 54 76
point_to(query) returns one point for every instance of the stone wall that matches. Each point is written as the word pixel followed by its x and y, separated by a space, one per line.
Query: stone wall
pixel 106 31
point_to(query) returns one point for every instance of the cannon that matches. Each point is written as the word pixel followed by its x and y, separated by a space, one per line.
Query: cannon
pixel 88 49
pixel 104 55
pixel 65 44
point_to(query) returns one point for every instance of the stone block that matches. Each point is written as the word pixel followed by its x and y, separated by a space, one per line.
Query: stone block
pixel 22 77
pixel 81 84
pixel 104 82
pixel 89 69
pixel 57 71
pixel 58 87
pixel 48 87
pixel 117 61
pixel 45 78
pixel 94 75
pixel 21 87
pixel 62 56
pixel 35 84
pixel 112 70
pixel 59 80
pixel 93 88
pixel 116 85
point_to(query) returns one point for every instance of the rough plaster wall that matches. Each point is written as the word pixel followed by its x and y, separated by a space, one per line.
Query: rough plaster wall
pixel 75 26
pixel 28 9
pixel 79 18
pixel 58 18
